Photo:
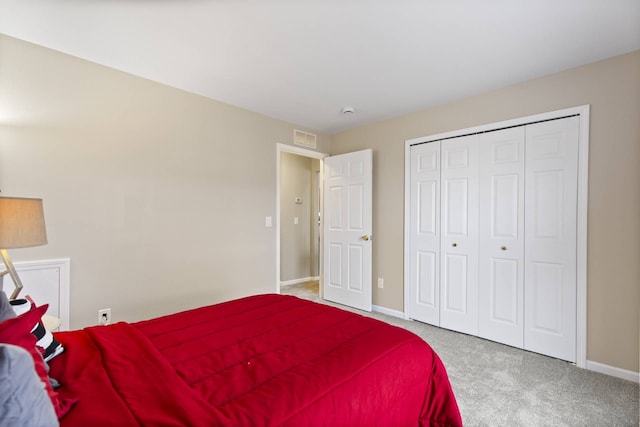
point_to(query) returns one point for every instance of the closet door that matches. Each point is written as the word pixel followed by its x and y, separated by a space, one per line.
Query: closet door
pixel 459 239
pixel 550 237
pixel 424 248
pixel 501 236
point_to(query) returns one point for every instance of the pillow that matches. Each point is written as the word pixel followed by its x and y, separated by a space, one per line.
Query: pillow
pixel 23 399
pixel 45 340
pixel 6 311
pixel 17 331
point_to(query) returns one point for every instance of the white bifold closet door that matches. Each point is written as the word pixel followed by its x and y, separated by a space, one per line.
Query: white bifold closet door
pixel 424 233
pixel 550 282
pixel 501 241
pixel 459 235
pixel 492 248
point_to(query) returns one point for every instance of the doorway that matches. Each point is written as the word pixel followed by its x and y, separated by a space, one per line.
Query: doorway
pixel 346 229
pixel 299 195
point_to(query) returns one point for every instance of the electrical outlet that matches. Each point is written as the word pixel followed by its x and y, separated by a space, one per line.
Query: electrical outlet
pixel 104 316
pixel 380 282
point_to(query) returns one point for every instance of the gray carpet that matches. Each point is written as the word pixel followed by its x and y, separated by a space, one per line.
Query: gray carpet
pixel 497 385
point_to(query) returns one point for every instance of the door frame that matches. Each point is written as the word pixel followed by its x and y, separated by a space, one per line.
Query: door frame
pixel 583 112
pixel 284 148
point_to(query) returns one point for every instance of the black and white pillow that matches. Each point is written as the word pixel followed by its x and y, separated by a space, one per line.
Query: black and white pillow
pixel 45 339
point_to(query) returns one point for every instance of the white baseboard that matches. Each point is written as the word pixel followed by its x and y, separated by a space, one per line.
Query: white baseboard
pixel 388 311
pixel 296 281
pixel 613 371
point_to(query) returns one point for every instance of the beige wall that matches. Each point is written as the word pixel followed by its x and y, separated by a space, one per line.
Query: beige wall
pixel 158 196
pixel 612 88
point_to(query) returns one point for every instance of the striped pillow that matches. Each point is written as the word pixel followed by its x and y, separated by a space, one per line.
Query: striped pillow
pixel 50 347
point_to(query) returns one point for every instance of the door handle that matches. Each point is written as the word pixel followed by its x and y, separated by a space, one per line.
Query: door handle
pixel 365 237
pixel 503 248
pixel 454 244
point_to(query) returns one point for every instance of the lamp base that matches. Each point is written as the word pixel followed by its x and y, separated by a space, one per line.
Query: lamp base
pixel 12 273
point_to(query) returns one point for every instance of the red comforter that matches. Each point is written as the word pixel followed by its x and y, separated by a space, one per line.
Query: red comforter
pixel 267 360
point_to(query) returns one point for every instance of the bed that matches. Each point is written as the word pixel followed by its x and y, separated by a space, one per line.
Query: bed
pixel 265 360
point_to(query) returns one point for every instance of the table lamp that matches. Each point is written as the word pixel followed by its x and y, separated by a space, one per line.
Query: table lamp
pixel 21 226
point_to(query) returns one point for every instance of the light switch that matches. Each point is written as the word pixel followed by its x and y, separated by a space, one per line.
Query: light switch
pixel 267 221
pixel 296 220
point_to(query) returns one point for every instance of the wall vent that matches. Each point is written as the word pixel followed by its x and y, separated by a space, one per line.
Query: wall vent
pixel 305 139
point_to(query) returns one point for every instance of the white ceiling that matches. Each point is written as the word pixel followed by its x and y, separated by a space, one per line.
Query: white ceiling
pixel 302 61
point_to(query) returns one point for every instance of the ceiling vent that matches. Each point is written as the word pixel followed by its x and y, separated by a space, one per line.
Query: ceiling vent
pixel 304 138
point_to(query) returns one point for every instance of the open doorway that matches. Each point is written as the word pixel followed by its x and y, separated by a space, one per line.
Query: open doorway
pixel 299 195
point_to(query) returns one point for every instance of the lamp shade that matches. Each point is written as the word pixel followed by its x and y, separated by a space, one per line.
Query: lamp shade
pixel 21 223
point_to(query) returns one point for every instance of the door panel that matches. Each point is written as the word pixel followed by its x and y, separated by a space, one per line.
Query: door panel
pixel 356 207
pixel 335 270
pixel 348 207
pixel 424 232
pixel 459 239
pixel 335 208
pixel 548 204
pixel 505 208
pixel 427 270
pixel 427 207
pixel 550 235
pixel 355 263
pixel 504 293
pixel 546 289
pixel 501 241
pixel 457 212
pixel 455 285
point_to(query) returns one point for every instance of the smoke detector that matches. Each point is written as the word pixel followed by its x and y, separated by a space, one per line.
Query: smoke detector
pixel 347 110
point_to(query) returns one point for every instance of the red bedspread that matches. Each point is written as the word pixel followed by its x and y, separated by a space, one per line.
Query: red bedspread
pixel 267 360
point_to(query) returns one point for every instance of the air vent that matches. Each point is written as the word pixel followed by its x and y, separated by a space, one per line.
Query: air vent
pixel 304 138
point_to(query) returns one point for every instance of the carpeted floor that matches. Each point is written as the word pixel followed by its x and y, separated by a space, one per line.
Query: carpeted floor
pixel 497 385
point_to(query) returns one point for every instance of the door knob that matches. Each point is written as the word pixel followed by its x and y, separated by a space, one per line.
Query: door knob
pixel 365 237
pixel 454 244
pixel 504 248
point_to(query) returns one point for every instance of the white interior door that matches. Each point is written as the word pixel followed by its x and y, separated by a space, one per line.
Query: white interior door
pixel 424 233
pixel 348 229
pixel 551 182
pixel 501 237
pixel 459 235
